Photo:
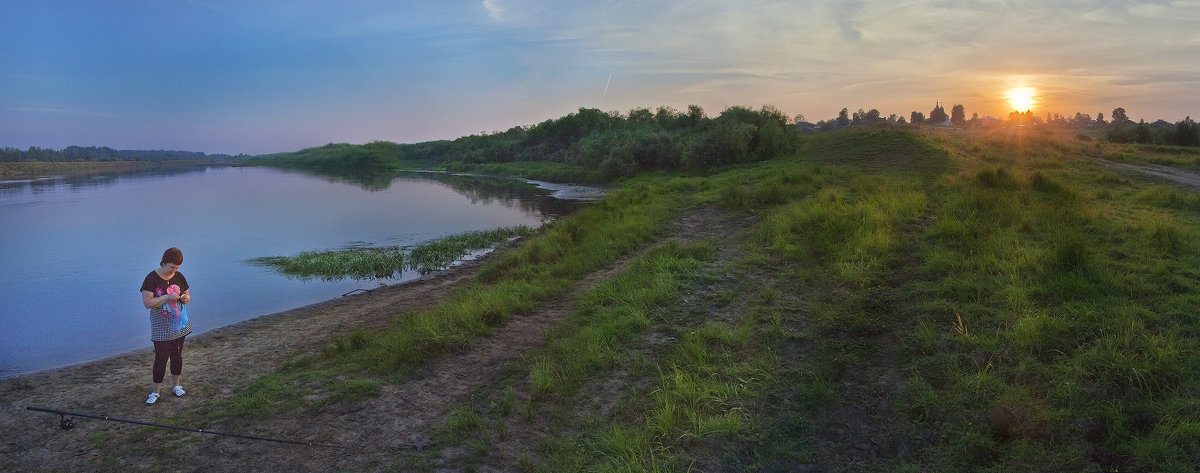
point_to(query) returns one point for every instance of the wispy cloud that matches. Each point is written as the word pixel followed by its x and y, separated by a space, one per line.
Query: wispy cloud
pixel 494 10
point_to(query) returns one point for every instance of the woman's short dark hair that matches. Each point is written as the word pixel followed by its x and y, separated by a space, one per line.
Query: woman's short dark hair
pixel 173 256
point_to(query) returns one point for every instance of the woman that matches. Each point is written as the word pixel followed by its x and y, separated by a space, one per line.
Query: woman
pixel 163 292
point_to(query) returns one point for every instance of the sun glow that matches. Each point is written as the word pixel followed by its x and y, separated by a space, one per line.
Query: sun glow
pixel 1021 99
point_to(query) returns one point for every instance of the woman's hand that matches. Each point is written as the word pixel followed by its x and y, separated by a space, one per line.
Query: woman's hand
pixel 185 298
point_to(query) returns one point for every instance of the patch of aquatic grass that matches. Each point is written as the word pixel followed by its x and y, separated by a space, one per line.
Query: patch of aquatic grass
pixel 385 263
pixel 353 263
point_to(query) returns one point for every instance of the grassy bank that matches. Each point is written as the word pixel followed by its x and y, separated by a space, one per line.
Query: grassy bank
pixel 879 300
pixel 904 303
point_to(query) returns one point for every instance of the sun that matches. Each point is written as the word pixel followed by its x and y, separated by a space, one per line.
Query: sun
pixel 1021 99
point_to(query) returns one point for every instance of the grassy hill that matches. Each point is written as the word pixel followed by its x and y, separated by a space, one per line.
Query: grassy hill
pixel 882 299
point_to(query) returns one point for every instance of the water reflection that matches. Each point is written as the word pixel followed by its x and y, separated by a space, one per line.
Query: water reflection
pixel 485 189
pixel 533 196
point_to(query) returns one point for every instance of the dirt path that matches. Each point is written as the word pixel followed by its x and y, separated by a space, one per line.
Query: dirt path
pixel 1188 179
pixel 376 431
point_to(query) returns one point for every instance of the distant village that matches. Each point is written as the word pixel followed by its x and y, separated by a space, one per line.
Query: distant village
pixel 1117 128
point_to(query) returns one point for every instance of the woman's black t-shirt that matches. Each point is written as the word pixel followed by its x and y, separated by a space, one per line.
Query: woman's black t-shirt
pixel 160 321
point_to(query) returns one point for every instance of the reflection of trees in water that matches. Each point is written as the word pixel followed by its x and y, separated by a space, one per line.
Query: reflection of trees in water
pixel 511 193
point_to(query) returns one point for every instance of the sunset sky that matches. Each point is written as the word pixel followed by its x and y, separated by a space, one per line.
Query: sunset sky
pixel 249 76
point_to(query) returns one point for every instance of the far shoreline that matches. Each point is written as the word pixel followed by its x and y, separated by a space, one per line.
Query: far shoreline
pixel 29 170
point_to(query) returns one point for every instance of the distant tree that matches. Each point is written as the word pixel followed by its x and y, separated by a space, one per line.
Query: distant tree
pixel 799 118
pixel 1141 133
pixel 724 141
pixel 1079 121
pixel 1119 116
pixel 916 118
pixel 1187 132
pixel 1100 118
pixel 696 113
pixel 958 115
pixel 1020 118
pixel 843 118
pixel 901 121
pixel 670 118
pixel 640 115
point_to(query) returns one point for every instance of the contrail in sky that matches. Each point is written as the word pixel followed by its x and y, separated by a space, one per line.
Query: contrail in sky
pixel 605 90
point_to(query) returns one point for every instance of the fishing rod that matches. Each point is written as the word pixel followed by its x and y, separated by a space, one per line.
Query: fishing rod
pixel 68 423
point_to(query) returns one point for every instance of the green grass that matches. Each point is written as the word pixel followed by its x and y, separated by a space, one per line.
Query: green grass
pixel 1028 314
pixel 980 302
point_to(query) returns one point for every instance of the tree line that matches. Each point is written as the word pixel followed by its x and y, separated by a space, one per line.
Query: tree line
pixel 1118 129
pixel 103 153
pixel 613 144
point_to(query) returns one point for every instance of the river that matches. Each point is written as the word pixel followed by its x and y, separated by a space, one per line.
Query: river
pixel 73 252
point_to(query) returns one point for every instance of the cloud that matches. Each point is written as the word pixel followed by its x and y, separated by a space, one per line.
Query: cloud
pixel 494 9
pixel 843 15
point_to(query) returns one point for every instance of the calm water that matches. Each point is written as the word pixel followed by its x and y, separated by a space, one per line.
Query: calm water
pixel 73 252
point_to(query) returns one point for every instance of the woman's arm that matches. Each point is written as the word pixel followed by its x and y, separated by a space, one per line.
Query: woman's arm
pixel 152 302
pixel 185 297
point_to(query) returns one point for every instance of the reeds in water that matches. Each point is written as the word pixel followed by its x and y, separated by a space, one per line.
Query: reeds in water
pixel 361 263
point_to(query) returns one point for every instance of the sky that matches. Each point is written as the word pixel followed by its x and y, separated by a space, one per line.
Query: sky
pixel 265 76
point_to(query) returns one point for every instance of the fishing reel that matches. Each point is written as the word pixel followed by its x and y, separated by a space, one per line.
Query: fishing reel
pixel 66 423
